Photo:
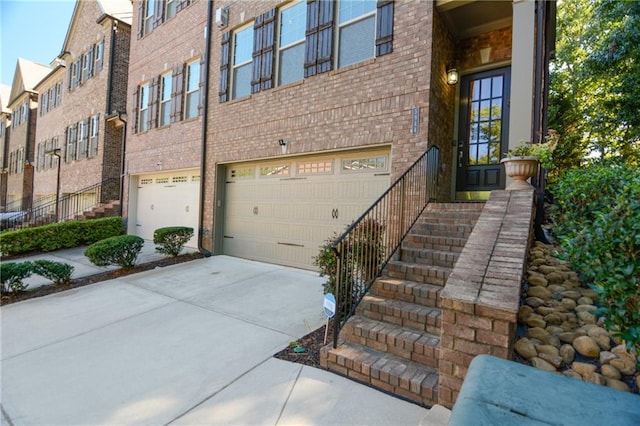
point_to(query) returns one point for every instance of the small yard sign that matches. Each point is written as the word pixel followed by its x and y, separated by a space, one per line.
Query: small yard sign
pixel 329 306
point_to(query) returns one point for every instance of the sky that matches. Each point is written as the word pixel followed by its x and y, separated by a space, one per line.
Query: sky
pixel 31 29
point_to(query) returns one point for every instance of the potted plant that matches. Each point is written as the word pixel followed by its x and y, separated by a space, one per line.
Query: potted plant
pixel 521 163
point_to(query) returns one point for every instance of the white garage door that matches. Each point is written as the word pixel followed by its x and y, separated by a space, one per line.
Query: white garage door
pixel 283 211
pixel 168 199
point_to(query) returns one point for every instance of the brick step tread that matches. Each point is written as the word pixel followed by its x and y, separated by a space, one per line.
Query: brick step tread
pixel 429 256
pixel 408 291
pixel 435 242
pixel 441 229
pixel 407 379
pixel 455 207
pixel 405 314
pixel 417 272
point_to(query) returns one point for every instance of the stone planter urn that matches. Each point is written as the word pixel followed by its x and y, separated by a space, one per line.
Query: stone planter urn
pixel 520 169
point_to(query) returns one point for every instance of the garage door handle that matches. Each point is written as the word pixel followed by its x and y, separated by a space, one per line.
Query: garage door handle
pixel 255 210
pixel 334 213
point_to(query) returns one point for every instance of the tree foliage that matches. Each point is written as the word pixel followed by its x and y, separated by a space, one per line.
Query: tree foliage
pixel 594 94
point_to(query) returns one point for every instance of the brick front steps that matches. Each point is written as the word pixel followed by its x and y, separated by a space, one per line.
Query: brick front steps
pixel 392 343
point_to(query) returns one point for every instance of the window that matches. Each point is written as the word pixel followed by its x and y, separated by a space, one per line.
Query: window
pixel 148 16
pixel 72 132
pixel 356 31
pixel 171 8
pixel 315 167
pixel 291 43
pixel 45 103
pixel 20 161
pixel 241 66
pixel 59 93
pixel 25 108
pixel 143 108
pixel 365 164
pixel 193 90
pixel 94 125
pixel 84 74
pixel 98 53
pixel 165 99
pixel 83 133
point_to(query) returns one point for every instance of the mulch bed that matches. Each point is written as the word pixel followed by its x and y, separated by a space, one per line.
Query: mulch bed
pixel 92 279
pixel 312 343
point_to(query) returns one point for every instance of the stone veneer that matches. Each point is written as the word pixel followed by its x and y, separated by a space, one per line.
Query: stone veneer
pixel 481 299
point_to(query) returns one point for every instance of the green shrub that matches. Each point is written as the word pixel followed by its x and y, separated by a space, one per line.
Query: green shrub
pixel 12 274
pixel 597 216
pixel 57 272
pixel 121 250
pixel 171 240
pixel 58 236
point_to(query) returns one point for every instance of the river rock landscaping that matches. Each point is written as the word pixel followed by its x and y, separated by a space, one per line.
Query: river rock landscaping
pixel 559 332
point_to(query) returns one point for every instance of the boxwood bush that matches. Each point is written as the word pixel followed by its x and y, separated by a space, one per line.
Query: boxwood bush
pixel 597 221
pixel 57 272
pixel 58 236
pixel 171 240
pixel 12 274
pixel 121 250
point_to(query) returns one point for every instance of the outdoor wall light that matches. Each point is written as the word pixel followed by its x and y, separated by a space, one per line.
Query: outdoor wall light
pixel 452 76
pixel 283 145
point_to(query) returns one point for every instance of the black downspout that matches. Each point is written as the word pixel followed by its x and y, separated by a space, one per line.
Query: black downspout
pixel 205 113
pixel 29 198
pixel 112 54
pixel 122 156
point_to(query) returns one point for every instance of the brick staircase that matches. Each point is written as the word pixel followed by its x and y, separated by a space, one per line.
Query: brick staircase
pixel 111 208
pixel 392 343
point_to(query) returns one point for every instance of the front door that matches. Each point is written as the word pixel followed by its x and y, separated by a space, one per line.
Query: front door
pixel 482 135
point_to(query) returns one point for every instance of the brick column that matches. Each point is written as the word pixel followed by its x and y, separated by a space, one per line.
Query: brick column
pixel 480 301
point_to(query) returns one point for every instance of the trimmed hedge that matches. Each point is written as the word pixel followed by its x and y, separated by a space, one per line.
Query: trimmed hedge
pixel 57 272
pixel 12 273
pixel 171 240
pixel 597 216
pixel 60 235
pixel 121 250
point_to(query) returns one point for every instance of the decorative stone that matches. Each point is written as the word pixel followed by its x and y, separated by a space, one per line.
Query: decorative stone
pixel 610 372
pixel 542 364
pixel 586 346
pixel 534 301
pixel 554 329
pixel 585 301
pixel 524 312
pixel 525 348
pixel 568 303
pixel 555 288
pixel 555 277
pixel 586 317
pixel 586 308
pixel 567 337
pixel 547 349
pixel 603 341
pixel 583 369
pixel 606 357
pixel 537 253
pixel 572 374
pixel 538 281
pixel 554 340
pixel 572 294
pixel 597 331
pixel 536 320
pixel 571 283
pixel 617 384
pixel 553 318
pixel 596 378
pixel 624 365
pixel 556 361
pixel 545 310
pixel 546 269
pixel 638 381
pixel 538 333
pixel 540 292
pixel 567 353
pixel 589 292
pixel 538 262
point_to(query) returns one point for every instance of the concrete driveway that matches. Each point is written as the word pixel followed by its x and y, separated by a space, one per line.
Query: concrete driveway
pixel 186 344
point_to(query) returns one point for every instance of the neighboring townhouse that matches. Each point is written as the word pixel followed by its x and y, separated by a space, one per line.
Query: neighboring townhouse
pixel 165 119
pixel 80 133
pixel 315 107
pixel 5 135
pixel 20 150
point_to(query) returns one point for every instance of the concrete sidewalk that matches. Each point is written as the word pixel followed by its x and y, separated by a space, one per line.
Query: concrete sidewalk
pixel 185 344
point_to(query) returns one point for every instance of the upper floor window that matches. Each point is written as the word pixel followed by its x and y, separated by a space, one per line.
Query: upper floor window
pixel 94 125
pixel 291 43
pixel 171 8
pixel 241 65
pixel 356 31
pixel 165 99
pixel 143 108
pixel 193 90
pixel 149 9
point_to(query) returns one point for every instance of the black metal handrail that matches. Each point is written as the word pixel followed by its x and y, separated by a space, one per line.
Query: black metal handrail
pixel 365 248
pixel 67 207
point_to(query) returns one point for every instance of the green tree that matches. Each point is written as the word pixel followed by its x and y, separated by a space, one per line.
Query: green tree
pixel 595 80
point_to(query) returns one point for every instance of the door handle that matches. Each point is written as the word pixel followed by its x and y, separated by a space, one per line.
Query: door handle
pixel 460 155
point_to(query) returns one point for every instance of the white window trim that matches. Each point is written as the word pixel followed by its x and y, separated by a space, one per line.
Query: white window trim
pixel 143 124
pixel 165 101
pixel 233 65
pixel 185 108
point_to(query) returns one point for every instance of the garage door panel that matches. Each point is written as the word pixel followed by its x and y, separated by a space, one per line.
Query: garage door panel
pixel 285 220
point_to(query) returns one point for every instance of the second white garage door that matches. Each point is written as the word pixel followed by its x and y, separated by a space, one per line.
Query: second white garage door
pixel 282 211
pixel 168 199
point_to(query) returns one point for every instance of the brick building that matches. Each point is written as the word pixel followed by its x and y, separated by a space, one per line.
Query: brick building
pixel 5 136
pixel 80 130
pixel 308 110
pixel 19 151
pixel 164 131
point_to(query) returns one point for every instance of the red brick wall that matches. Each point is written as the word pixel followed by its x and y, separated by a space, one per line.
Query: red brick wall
pixel 468 50
pixel 367 104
